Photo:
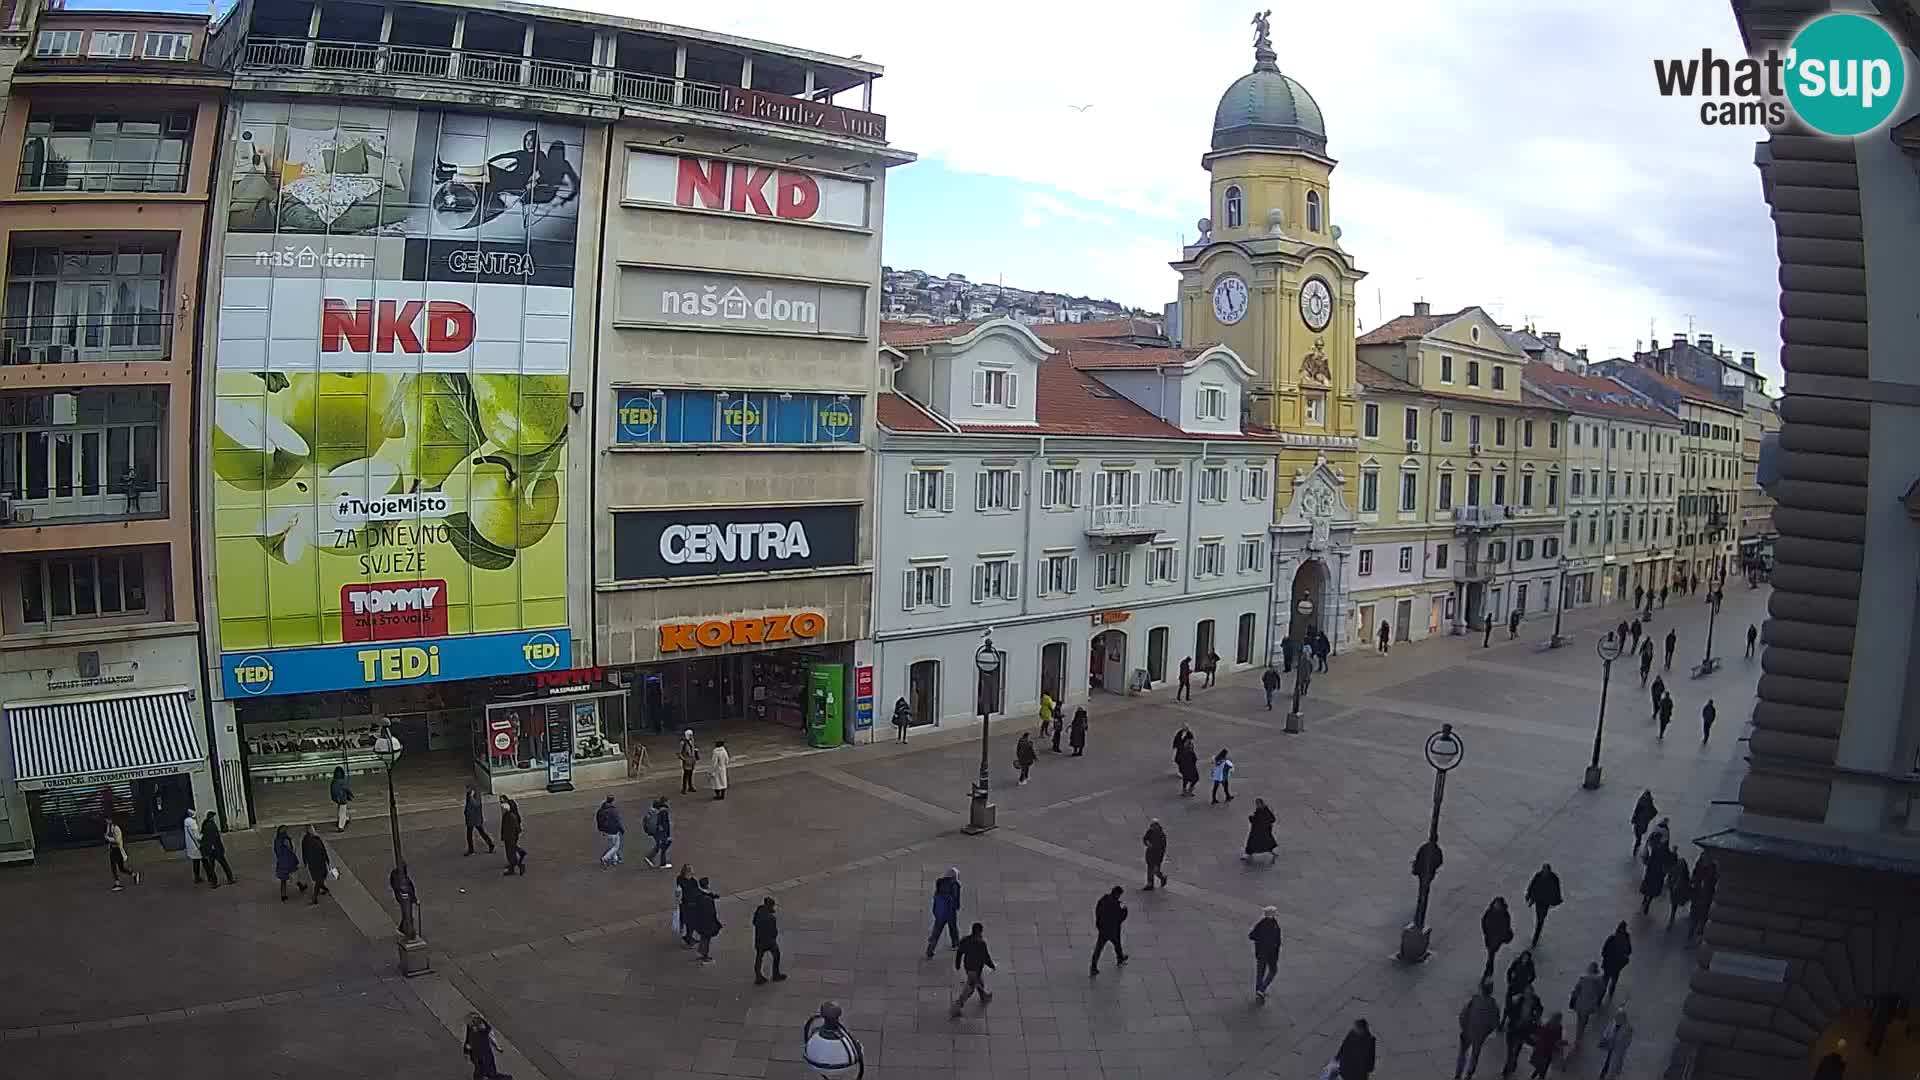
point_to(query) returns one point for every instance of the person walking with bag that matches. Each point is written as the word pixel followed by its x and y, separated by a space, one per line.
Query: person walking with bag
pixel 1108 916
pixel 313 852
pixel 946 909
pixel 658 824
pixel 1260 839
pixel 117 854
pixel 1024 756
pixel 213 847
pixel 341 794
pixel 510 831
pixel 1265 936
pixel 475 814
pixel 902 720
pixel 612 830
pixel 1222 778
pixel 1155 842
pixel 285 862
pixel 1543 895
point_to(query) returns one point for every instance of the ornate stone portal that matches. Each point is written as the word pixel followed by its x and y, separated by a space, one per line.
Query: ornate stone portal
pixel 1312 542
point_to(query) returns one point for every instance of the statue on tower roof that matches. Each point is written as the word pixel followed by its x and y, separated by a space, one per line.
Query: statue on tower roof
pixel 1263 53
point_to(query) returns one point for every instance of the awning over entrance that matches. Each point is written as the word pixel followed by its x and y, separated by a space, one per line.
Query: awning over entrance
pixel 67 742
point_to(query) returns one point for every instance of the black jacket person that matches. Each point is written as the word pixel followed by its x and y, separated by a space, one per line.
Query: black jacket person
pixel 1108 915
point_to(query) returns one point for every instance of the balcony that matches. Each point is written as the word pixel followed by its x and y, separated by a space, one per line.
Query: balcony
pixel 84 502
pixel 86 338
pixel 435 65
pixel 1123 524
pixel 103 177
pixel 1479 517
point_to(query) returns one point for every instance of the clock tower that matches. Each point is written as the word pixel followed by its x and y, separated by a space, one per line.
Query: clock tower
pixel 1268 278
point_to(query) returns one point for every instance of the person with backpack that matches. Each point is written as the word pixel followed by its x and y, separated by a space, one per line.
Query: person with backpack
pixel 658 823
pixel 607 820
pixel 341 794
pixel 1155 841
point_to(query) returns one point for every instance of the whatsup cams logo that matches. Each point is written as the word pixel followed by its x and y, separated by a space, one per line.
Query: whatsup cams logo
pixel 1842 75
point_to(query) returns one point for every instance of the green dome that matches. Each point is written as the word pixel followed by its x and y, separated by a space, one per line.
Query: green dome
pixel 1265 109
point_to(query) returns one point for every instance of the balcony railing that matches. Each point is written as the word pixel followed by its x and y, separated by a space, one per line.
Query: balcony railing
pixel 59 174
pixel 1479 517
pixel 86 338
pixel 1127 524
pixel 81 500
pixel 425 63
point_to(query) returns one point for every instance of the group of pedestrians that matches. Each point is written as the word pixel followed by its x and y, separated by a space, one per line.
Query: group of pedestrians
pixel 1313 648
pixel 1208 665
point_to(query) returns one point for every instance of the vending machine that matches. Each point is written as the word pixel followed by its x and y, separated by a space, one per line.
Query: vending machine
pixel 826 705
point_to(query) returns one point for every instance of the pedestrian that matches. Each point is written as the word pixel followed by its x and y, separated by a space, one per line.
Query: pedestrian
pixel 684 886
pixel 510 830
pixel 718 769
pixel 341 794
pixel 612 829
pixel 1588 992
pixel 946 909
pixel 1265 936
pixel 1522 1019
pixel 766 942
pixel 1186 680
pixel 1707 713
pixel 313 852
pixel 1386 638
pixel 1666 714
pixel 1513 624
pixel 1673 640
pixel 1659 690
pixel 1644 811
pixel 689 755
pixel 1548 1041
pixel 1638 595
pixel 1188 759
pixel 902 719
pixel 1521 973
pixel 1222 777
pixel 1663 596
pixel 1182 736
pixel 476 820
pixel 1024 755
pixel 117 855
pixel 1621 632
pixel 1633 630
pixel 1646 660
pixel 1270 682
pixel 1479 1017
pixel 1653 882
pixel 1496 929
pixel 213 848
pixel 1213 667
pixel 1753 636
pixel 706 916
pixel 1679 888
pixel 657 822
pixel 1617 1041
pixel 190 839
pixel 1486 641
pixel 1543 895
pixel 1155 841
pixel 1108 916
pixel 1260 839
pixel 1288 647
pixel 1355 1057
pixel 1322 648
pixel 1661 837
pixel 1077 732
pixel 1059 724
pixel 1046 712
pixel 1615 954
pixel 971 957
pixel 1706 878
pixel 481 1047
pixel 285 862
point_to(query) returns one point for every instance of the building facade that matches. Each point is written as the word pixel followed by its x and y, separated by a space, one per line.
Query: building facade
pixel 1099 509
pixel 106 154
pixel 1464 470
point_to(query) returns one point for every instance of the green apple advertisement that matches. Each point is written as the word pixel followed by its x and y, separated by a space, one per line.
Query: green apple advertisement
pixel 388 437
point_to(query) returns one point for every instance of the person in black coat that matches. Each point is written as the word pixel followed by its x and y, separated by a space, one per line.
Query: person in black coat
pixel 706 919
pixel 1659 691
pixel 476 820
pixel 1673 639
pixel 1155 842
pixel 1059 724
pixel 1188 759
pixel 1108 915
pixel 1654 881
pixel 510 830
pixel 766 941
pixel 1024 755
pixel 1265 936
pixel 1615 954
pixel 313 852
pixel 1644 811
pixel 480 1049
pixel 1260 839
pixel 1543 895
pixel 1646 660
pixel 1522 1019
pixel 1185 686
pixel 1270 682
pixel 1496 929
pixel 1357 1052
pixel 1288 648
pixel 213 849
pixel 1322 648
pixel 1077 731
pixel 1666 713
pixel 1707 714
pixel 1520 974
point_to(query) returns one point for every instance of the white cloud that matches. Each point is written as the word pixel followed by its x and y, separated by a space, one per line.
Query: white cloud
pixel 1039 209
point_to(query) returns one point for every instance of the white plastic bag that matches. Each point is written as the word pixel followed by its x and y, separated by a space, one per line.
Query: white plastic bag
pixel 1332 1071
pixel 333 873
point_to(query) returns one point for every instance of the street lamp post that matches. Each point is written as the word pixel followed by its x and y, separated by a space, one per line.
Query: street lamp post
pixel 1609 647
pixel 412 947
pixel 1557 641
pixel 1444 751
pixel 1302 674
pixel 1710 663
pixel 829 1049
pixel 986 662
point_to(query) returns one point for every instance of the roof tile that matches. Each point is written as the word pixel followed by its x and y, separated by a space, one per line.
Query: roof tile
pixel 1404 327
pixel 910 334
pixel 898 413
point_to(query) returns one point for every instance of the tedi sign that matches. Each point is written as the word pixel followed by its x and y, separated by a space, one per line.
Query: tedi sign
pixel 1843 75
pixel 697 542
pixel 749 188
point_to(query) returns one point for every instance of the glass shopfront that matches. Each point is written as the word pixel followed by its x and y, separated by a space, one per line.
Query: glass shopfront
pixel 670 697
pixel 566 727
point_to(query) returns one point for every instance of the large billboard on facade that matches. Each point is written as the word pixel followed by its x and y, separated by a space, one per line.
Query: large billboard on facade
pixel 389 426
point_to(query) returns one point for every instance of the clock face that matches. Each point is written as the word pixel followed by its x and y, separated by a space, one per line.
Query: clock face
pixel 1229 299
pixel 1316 304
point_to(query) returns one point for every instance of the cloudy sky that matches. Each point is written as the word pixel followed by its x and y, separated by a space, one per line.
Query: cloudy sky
pixel 1510 155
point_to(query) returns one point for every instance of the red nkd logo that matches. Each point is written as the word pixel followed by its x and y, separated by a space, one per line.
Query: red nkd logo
pixel 390 326
pixel 742 189
pixel 393 610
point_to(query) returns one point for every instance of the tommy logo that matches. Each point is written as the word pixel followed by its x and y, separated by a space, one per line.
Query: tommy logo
pixel 395 326
pixel 393 610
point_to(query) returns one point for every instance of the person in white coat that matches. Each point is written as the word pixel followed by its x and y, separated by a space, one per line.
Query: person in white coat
pixel 1617 1040
pixel 721 759
pixel 191 836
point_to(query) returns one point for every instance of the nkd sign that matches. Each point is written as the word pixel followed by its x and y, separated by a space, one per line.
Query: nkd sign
pixel 747 188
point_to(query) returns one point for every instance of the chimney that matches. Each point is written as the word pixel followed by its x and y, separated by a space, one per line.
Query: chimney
pixel 1421 307
pixel 1552 338
pixel 1746 360
pixel 1581 352
pixel 1705 341
pixel 1679 340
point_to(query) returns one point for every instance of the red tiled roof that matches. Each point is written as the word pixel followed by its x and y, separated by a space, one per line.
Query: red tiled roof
pixel 910 334
pixel 898 413
pixel 1592 394
pixel 1088 357
pixel 1682 387
pixel 1369 375
pixel 1095 331
pixel 1071 402
pixel 1404 327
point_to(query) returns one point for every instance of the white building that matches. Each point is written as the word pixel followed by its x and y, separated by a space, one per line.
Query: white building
pixel 1100 510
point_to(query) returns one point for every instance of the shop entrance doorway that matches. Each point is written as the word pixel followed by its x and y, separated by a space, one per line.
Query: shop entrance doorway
pixel 1157 654
pixel 1053 669
pixel 1107 662
pixel 923 691
pixel 1202 643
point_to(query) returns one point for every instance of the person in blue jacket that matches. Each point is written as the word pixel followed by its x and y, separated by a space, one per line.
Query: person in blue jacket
pixel 946 909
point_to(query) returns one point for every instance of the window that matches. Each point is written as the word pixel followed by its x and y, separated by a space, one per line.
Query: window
pixel 996 579
pixel 1411 421
pixel 996 386
pixel 1210 558
pixel 1439 556
pixel 1640 532
pixel 1526 489
pixel 1550 547
pixel 1593 482
pixel 1316 408
pixel 56 43
pixel 1499 489
pixel 1366 562
pixel 168 46
pixel 1473 373
pixel 1059 574
pixel 1499 377
pixel 83 453
pixel 1236 209
pixel 1211 403
pixel 1116 487
pixel 1370 420
pixel 135 151
pixel 1406 559
pixel 996 489
pixel 1609 528
pixel 1576 488
pixel 1369 491
pixel 929 491
pixel 1060 488
pixel 1497 551
pixel 928 586
pixel 1253 555
pixel 1473 430
pixel 1167 484
pixel 88 303
pixel 1253 483
pixel 1611 476
pixel 85 587
pixel 1575 428
pixel 1409 491
pixel 1473 489
pixel 1553 489
pixel 1213 484
pixel 1613 438
pixel 1523 550
pixel 1499 431
pixel 1313 211
pixel 1163 564
pixel 1446 491
pixel 1112 570
pixel 1526 433
pixel 115 44
pixel 1446 427
pixel 1627 480
pixel 1446 368
pixel 1593 531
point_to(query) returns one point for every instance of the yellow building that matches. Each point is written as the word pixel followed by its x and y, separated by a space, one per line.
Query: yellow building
pixel 1269 279
pixel 1461 496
